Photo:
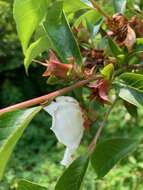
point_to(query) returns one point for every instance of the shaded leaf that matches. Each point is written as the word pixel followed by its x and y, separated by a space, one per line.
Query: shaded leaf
pixel 73 176
pixel 132 109
pixel 12 125
pixel 94 29
pixel 58 30
pixel 109 152
pixel 115 49
pixel 27 185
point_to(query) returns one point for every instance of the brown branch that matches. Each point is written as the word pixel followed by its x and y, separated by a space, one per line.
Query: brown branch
pixel 49 97
pixel 93 144
pixel 98 8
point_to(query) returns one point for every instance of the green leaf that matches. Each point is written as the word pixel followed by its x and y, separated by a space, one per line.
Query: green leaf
pixel 73 176
pixel 12 125
pixel 132 96
pixel 107 71
pixel 132 109
pixel 133 80
pixel 35 49
pixel 28 14
pixel 91 16
pixel 58 30
pixel 132 89
pixel 71 6
pixel 120 5
pixel 138 48
pixel 109 152
pixel 115 49
pixel 27 185
pixel 94 29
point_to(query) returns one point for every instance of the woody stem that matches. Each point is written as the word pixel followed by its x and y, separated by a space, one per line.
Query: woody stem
pixel 49 97
pixel 98 8
pixel 93 143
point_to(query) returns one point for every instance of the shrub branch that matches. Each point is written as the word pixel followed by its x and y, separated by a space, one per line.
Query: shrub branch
pixel 47 98
pixel 93 143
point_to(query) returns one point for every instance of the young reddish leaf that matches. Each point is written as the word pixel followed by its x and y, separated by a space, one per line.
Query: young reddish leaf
pixel 100 90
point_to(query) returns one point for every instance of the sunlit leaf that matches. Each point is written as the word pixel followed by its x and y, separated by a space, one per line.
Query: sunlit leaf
pixel 90 16
pixel 28 14
pixel 27 185
pixel 71 6
pixel 12 125
pixel 107 71
pixel 35 49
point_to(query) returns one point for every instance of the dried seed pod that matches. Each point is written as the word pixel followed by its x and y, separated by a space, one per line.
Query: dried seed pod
pixel 121 31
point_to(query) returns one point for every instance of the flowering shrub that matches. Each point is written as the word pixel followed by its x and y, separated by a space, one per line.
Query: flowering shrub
pixel 96 56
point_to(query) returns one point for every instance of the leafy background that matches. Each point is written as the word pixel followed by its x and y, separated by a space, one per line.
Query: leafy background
pixel 37 154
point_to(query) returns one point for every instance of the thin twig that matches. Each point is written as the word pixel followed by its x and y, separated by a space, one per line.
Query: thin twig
pixel 49 97
pixel 41 63
pixel 93 144
pixel 98 8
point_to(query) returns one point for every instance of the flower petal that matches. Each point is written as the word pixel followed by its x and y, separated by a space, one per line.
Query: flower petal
pixel 67 123
pixel 68 157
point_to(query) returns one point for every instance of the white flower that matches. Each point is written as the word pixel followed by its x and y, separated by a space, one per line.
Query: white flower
pixel 67 124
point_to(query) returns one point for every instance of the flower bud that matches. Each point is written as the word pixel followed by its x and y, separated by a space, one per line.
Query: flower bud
pixel 56 68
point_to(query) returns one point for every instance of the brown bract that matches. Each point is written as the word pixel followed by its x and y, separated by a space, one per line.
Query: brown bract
pixel 87 122
pixel 137 25
pixel 121 31
pixel 94 60
pixel 94 57
pixel 100 90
